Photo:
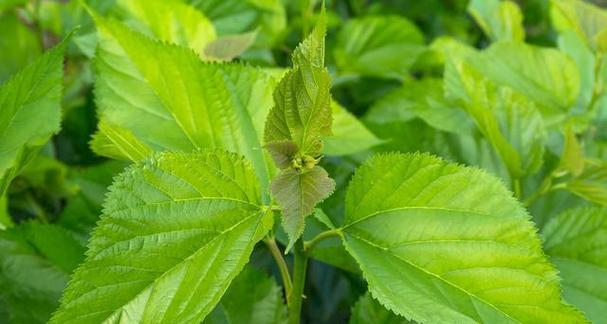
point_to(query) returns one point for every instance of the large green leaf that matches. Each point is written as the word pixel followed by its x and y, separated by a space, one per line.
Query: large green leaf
pixel 253 297
pixel 35 262
pixel 576 242
pixel 545 75
pixel 382 46
pixel 499 20
pixel 175 230
pixel 441 243
pixel 161 97
pixel 30 112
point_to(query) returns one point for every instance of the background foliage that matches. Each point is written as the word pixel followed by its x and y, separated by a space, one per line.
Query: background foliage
pixel 517 89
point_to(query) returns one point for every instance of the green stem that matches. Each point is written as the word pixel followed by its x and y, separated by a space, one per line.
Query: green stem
pixel 299 280
pixel 309 245
pixel 516 186
pixel 282 266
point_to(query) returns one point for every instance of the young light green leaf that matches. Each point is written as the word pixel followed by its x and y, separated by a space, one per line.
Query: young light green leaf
pixel 368 310
pixel 591 184
pixel 499 20
pixel 380 46
pixel 545 75
pixel 169 20
pixel 35 262
pixel 253 297
pixel 302 110
pixel 175 230
pixel 31 112
pixel 297 193
pixel 508 120
pixel 575 241
pixel 572 158
pixel 349 134
pixel 227 48
pixel 294 133
pixel 573 45
pixel 438 242
pixel 211 105
pixel 587 20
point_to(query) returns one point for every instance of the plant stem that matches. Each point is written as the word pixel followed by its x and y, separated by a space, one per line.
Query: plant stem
pixel 282 266
pixel 309 245
pixel 299 280
pixel 516 186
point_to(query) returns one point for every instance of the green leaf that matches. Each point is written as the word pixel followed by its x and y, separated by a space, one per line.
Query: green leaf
pixel 227 48
pixel 380 46
pixel 587 20
pixel 545 75
pixel 349 135
pixel 169 20
pixel 253 297
pixel 175 230
pixel 508 120
pixel 294 133
pixel 82 210
pixel 499 20
pixel 438 242
pixel 571 44
pixel 423 99
pixel 297 193
pixel 35 262
pixel 239 16
pixel 575 241
pixel 368 310
pixel 5 217
pixel 31 112
pixel 572 158
pixel 18 47
pixel 591 184
pixel 142 106
pixel 118 143
pixel 302 110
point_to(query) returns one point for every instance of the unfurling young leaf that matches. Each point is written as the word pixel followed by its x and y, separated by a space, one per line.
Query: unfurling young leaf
pixel 441 243
pixel 297 193
pixel 175 230
pixel 294 133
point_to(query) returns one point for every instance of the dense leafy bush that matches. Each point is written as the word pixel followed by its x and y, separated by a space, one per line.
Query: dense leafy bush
pixel 270 161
